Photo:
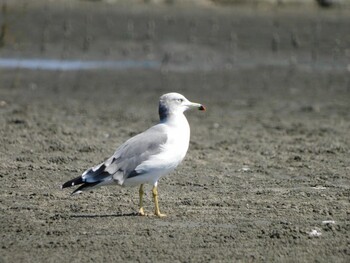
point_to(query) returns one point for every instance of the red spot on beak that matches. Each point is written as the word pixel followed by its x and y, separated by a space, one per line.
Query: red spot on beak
pixel 202 108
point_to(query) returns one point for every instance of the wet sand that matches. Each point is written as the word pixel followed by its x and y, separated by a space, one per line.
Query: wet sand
pixel 267 175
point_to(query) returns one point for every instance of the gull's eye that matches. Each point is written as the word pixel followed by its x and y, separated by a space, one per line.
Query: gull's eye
pixel 180 100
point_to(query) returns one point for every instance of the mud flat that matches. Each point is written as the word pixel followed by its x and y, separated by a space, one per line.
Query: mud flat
pixel 267 175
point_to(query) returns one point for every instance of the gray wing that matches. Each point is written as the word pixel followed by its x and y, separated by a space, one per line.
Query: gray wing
pixel 128 156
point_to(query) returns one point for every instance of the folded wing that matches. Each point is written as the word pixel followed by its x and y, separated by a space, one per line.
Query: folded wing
pixel 123 162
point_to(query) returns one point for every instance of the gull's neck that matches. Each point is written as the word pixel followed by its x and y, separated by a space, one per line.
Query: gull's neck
pixel 178 131
pixel 174 119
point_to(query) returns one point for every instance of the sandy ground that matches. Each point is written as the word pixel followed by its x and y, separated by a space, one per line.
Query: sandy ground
pixel 267 175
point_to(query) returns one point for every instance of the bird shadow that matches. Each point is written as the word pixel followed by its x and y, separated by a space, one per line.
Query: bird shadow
pixel 103 215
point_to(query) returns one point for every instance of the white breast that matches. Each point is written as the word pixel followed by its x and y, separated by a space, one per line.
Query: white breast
pixel 178 138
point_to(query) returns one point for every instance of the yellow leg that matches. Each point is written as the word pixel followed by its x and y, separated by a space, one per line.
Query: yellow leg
pixel 155 197
pixel 141 192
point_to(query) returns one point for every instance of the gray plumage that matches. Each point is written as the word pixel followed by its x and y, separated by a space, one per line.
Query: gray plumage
pixel 122 164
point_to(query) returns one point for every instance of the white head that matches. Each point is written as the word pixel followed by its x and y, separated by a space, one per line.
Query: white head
pixel 175 103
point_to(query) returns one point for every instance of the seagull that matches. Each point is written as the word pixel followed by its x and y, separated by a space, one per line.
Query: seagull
pixel 148 156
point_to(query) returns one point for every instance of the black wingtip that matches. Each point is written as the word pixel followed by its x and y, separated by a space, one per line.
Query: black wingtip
pixel 73 182
pixel 84 187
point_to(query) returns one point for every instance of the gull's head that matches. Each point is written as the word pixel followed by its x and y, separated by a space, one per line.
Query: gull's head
pixel 175 103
